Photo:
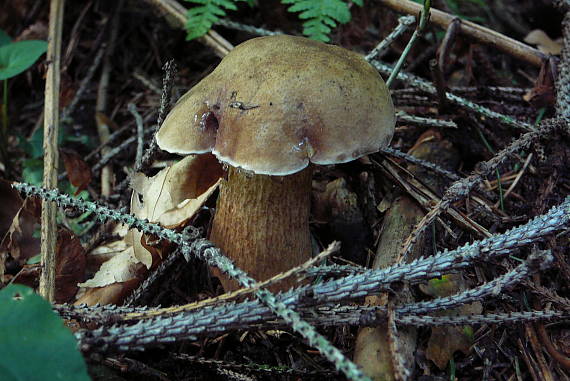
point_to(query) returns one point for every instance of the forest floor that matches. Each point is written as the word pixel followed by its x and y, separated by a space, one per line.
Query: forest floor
pixel 490 116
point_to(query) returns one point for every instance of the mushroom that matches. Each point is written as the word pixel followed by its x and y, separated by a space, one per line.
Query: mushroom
pixel 271 108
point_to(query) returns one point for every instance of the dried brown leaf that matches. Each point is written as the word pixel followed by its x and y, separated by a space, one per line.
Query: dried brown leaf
pixel 78 172
pixel 112 294
pixel 18 240
pixel 445 341
pixel 543 43
pixel 173 196
pixel 70 266
pixel 121 268
pixel 36 31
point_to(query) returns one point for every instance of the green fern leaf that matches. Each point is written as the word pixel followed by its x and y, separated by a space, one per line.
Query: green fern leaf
pixel 200 18
pixel 321 15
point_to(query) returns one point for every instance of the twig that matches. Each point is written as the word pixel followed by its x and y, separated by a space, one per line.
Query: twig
pixel 447 44
pixel 516 180
pixel 423 163
pixel 165 98
pixel 479 33
pixel 247 28
pixel 146 82
pixel 129 366
pixel 220 46
pixel 460 189
pixel 401 372
pixel 419 83
pixel 563 80
pixel 440 86
pixel 85 82
pixel 349 287
pixel 140 292
pixel 205 250
pixel 422 121
pixel 112 152
pixel 547 295
pixel 189 325
pixel 331 249
pixel 424 17
pixel 257 368
pixel 426 198
pixel 170 70
pixel 140 133
pixel 51 127
pixel 325 315
pixel 101 104
pixel 404 23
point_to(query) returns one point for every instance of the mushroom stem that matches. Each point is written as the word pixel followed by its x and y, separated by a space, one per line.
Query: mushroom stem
pixel 262 223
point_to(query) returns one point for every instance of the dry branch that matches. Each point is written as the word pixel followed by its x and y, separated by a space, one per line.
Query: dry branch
pixel 51 126
pixel 479 33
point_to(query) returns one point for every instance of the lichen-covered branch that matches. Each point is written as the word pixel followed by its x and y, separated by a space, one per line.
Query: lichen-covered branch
pixel 205 250
pixel 461 189
pixel 424 85
pixel 219 319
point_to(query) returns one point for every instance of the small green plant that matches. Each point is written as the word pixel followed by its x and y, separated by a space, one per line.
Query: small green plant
pixel 35 343
pixel 207 12
pixel 33 170
pixel 15 57
pixel 319 16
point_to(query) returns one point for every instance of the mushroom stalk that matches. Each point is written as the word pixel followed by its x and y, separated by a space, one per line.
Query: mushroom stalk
pixel 262 223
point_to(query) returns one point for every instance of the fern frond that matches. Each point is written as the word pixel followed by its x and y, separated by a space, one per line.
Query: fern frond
pixel 321 15
pixel 200 18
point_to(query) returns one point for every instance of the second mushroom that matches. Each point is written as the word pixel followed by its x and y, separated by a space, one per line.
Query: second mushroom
pixel 273 107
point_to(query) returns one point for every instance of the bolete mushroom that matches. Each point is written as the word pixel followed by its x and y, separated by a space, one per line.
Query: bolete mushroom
pixel 273 106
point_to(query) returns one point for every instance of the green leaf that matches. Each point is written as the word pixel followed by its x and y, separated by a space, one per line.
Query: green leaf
pixel 35 343
pixel 4 38
pixel 200 19
pixel 36 259
pixel 33 147
pixel 33 171
pixel 320 15
pixel 18 56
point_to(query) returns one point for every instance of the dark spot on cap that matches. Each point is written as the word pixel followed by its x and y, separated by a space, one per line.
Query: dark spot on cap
pixel 209 122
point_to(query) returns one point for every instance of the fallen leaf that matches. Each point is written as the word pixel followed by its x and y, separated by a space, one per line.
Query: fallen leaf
pixel 116 271
pixel 18 240
pixel 543 43
pixel 67 90
pixel 184 211
pixel 543 92
pixel 162 198
pixel 36 31
pixel 108 250
pixel 29 276
pixel 112 294
pixel 70 266
pixel 120 268
pixel 445 341
pixel 11 204
pixel 78 172
pixel 104 120
pixel 171 197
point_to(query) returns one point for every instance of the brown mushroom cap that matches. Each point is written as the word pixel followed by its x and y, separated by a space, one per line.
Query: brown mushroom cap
pixel 276 103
